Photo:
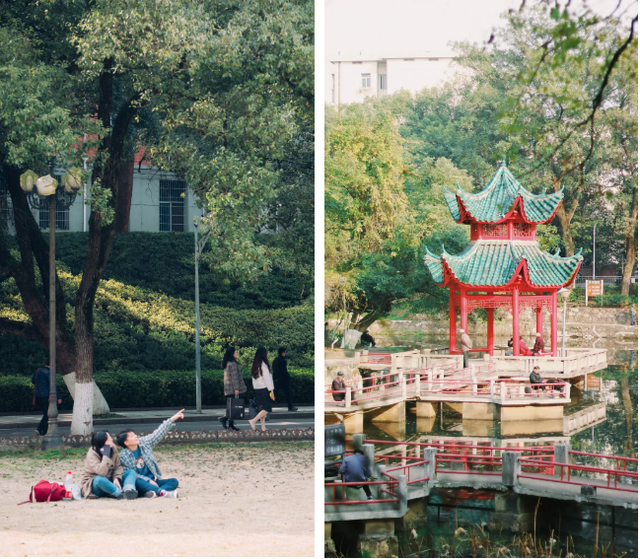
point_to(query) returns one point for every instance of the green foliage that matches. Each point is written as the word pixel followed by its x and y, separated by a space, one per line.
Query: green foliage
pixel 151 389
pixel 611 297
pixel 145 315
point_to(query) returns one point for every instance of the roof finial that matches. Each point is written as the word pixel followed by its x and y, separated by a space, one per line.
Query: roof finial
pixel 503 162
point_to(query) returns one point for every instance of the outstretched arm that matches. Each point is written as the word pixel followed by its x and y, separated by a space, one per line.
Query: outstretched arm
pixel 166 426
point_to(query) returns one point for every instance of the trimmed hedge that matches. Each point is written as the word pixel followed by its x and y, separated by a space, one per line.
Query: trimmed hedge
pixel 157 389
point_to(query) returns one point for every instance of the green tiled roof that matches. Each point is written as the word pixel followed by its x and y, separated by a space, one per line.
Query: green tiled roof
pixel 493 263
pixel 498 197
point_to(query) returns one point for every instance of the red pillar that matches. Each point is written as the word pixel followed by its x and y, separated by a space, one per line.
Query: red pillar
pixel 515 299
pixel 490 330
pixel 463 310
pixel 539 321
pixel 554 323
pixel 452 320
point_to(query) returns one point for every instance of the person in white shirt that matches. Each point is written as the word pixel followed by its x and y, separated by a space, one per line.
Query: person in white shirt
pixel 262 385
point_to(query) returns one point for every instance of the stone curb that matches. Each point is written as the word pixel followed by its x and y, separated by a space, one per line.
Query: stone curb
pixel 143 420
pixel 176 437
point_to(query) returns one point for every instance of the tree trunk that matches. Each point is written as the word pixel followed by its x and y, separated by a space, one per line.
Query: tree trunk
pixel 631 243
pixel 125 190
pixel 101 236
pixel 564 221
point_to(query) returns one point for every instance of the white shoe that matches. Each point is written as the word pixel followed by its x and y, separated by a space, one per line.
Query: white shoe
pixel 170 494
pixel 150 494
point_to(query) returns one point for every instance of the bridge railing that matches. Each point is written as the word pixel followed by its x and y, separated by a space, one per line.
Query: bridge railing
pixel 339 489
pixel 595 476
pixel 410 466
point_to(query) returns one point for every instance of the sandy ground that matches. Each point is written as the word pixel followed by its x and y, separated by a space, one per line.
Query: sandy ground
pixel 234 500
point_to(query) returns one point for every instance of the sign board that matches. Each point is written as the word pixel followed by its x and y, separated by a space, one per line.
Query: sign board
pixel 334 440
pixel 594 288
pixel 593 382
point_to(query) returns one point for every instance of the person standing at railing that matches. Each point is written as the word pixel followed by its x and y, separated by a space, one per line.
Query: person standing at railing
pixel 355 468
pixel 466 345
pixel 337 385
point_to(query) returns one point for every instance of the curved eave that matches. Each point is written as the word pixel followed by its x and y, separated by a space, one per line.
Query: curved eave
pixel 452 203
pixel 434 265
pixel 502 261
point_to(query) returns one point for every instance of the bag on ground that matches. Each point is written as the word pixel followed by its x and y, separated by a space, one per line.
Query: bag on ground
pixel 45 491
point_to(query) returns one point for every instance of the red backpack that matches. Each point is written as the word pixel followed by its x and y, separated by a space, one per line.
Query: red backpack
pixel 45 491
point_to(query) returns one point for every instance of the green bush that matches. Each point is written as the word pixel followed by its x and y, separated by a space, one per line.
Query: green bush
pixel 611 297
pixel 145 314
pixel 156 389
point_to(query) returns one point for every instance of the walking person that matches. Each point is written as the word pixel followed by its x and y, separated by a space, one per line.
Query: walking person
pixel 262 386
pixel 466 345
pixel 137 455
pixel 233 383
pixel 40 380
pixel 281 378
pixel 103 474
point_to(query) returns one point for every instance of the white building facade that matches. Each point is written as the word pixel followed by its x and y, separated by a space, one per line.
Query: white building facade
pixel 354 78
pixel 159 202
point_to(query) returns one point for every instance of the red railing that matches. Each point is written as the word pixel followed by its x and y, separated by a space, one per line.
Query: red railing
pixel 567 469
pixel 343 484
pixel 385 386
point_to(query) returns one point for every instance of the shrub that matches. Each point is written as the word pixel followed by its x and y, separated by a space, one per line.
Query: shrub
pixel 151 389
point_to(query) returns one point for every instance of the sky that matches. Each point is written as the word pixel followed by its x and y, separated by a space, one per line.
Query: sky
pixel 405 27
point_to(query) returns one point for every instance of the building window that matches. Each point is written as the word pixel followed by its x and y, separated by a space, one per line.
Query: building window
pixel 172 195
pixel 62 215
pixel 366 81
pixel 383 81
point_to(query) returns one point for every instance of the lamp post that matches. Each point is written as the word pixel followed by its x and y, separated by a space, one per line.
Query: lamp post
pixel 48 194
pixel 565 294
pixel 199 247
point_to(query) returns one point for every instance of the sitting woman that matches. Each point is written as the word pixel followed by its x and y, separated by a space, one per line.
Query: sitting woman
pixel 524 350
pixel 103 474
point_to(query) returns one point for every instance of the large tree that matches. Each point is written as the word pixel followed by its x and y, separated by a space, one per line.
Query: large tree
pixel 99 68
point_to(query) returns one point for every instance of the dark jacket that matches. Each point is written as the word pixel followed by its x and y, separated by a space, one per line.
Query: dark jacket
pixel 280 372
pixel 355 467
pixel 535 378
pixel 41 379
pixel 338 384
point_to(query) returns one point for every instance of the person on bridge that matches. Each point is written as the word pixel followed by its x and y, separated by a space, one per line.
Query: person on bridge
pixel 40 380
pixel 138 455
pixel 538 346
pixel 281 377
pixel 367 338
pixel 262 386
pixel 466 345
pixel 338 385
pixel 233 382
pixel 354 468
pixel 536 378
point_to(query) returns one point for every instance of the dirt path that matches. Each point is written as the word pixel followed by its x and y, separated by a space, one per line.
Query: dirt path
pixel 235 500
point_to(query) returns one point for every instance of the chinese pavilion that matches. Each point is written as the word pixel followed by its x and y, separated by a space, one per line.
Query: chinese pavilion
pixel 502 266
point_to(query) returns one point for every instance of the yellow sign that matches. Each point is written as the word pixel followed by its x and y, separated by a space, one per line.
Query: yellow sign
pixel 594 287
pixel 593 382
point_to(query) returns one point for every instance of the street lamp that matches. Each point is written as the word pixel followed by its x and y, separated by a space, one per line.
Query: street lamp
pixel 565 294
pixel 199 247
pixel 49 194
